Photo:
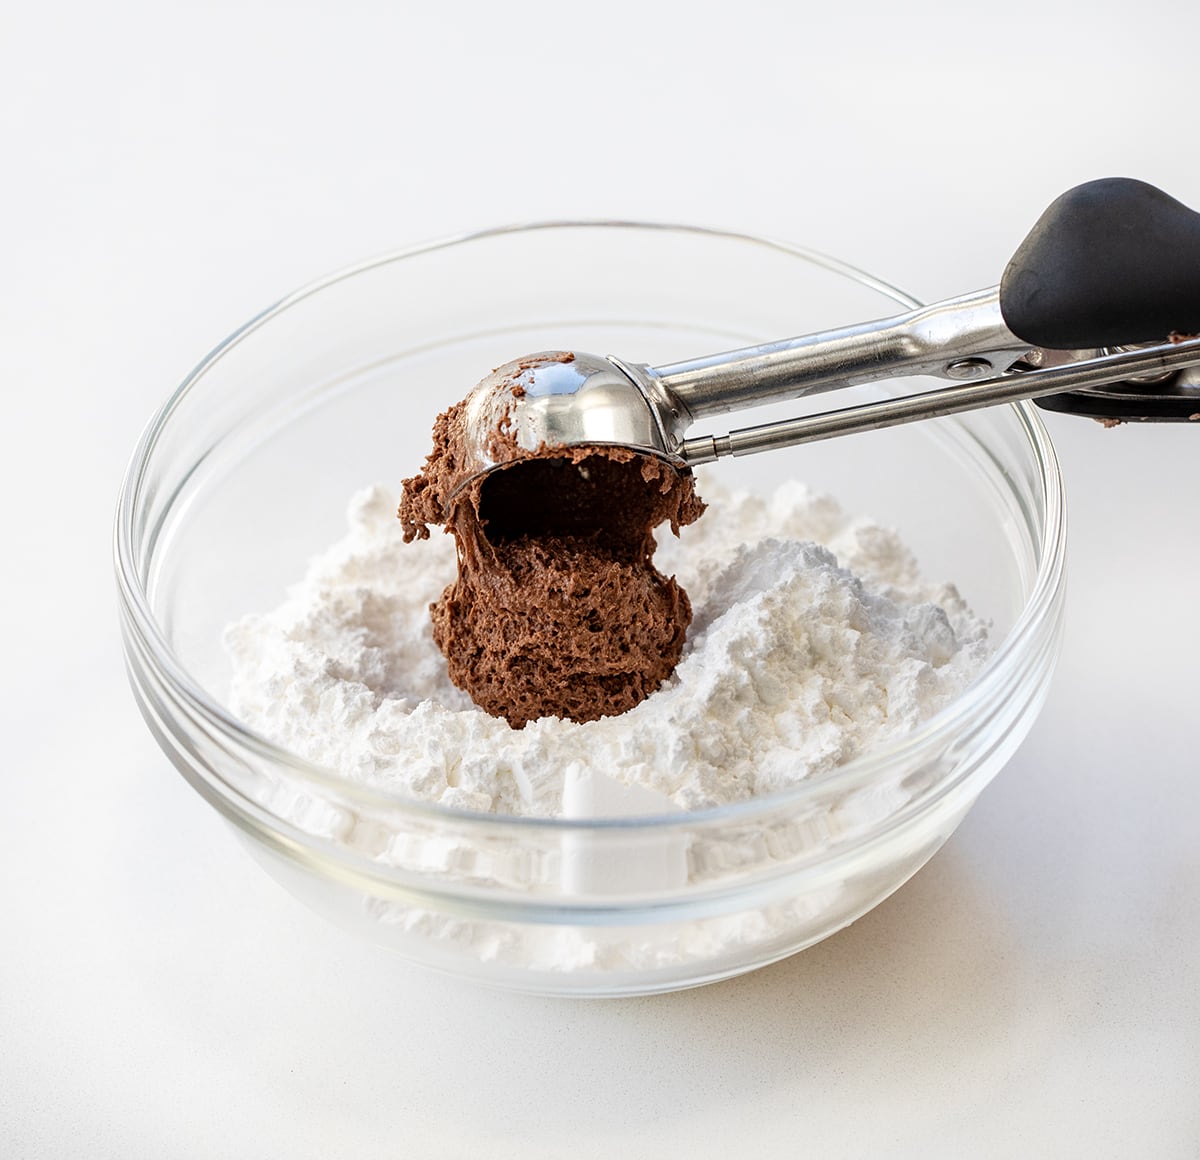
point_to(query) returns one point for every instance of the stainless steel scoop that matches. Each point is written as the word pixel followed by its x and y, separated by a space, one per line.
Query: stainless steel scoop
pixel 1105 290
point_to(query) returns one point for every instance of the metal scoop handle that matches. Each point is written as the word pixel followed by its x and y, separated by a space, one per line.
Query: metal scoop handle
pixel 953 400
pixel 1109 264
pixel 963 337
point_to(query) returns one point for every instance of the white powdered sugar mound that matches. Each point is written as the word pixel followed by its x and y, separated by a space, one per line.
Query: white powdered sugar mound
pixel 814 639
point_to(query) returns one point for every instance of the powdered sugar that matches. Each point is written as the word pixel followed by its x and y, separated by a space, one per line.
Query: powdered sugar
pixel 814 639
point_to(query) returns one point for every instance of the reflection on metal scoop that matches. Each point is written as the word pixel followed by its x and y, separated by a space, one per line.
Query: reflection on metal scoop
pixel 1139 328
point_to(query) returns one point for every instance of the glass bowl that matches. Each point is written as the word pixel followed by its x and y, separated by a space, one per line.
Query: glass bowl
pixel 245 473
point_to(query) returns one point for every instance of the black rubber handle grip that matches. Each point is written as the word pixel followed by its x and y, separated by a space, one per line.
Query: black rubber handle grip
pixel 1110 262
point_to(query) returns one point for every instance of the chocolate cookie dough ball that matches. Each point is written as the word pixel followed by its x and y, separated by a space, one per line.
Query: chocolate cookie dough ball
pixel 557 609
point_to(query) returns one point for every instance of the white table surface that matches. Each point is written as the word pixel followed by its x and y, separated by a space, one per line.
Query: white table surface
pixel 169 170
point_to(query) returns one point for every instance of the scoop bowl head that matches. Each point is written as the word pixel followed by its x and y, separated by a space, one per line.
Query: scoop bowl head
pixel 555 398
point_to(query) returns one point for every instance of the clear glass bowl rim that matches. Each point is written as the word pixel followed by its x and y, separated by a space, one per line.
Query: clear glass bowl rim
pixel 135 601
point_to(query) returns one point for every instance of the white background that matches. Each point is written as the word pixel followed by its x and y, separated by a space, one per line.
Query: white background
pixel 168 171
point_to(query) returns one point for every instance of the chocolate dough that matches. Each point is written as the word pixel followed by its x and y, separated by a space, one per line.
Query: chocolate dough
pixel 558 609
